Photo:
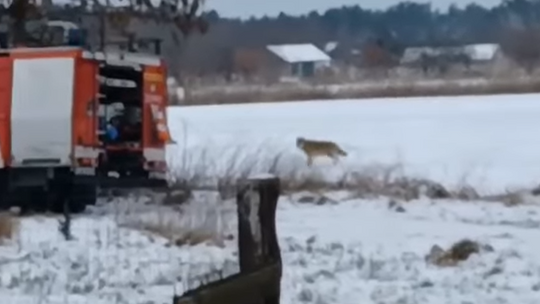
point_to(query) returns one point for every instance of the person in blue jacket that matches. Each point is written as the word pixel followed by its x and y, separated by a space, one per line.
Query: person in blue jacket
pixel 112 130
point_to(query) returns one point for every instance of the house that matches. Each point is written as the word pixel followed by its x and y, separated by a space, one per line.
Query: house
pixel 299 60
pixel 473 57
pixel 483 53
pixel 490 59
pixel 279 62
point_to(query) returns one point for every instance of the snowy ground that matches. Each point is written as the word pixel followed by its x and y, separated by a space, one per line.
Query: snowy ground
pixel 113 258
pixel 356 251
pixel 364 252
pixel 349 251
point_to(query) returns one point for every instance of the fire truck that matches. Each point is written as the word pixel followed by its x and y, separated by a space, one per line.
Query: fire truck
pixel 73 120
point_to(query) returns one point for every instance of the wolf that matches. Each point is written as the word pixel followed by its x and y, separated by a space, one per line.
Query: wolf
pixel 314 148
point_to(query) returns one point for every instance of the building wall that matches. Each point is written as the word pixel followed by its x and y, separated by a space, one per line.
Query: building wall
pixel 303 69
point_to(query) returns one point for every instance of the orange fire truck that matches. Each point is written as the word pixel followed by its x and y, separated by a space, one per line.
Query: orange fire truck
pixel 57 106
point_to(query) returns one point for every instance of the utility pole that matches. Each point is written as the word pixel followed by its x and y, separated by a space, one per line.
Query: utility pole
pixel 102 30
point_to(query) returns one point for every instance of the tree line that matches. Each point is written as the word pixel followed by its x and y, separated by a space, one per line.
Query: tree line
pixel 202 42
pixel 515 24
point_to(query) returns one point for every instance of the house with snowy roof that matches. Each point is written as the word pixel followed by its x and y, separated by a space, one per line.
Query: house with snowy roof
pixel 479 57
pixel 299 60
pixel 280 62
pixel 476 52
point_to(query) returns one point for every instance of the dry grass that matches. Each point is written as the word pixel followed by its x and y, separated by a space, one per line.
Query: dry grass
pixel 9 226
pixel 458 252
pixel 288 92
pixel 207 219
pixel 176 234
pixel 189 224
pixel 363 181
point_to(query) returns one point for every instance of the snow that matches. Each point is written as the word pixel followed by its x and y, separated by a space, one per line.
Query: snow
pixel 293 53
pixel 364 252
pixel 262 176
pixel 108 262
pixel 489 142
pixel 330 46
pixel 349 250
pixel 353 251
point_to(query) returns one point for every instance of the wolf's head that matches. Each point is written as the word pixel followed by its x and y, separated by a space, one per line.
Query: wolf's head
pixel 300 142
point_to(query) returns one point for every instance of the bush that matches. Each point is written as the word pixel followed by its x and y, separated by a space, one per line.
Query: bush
pixel 363 181
pixel 285 92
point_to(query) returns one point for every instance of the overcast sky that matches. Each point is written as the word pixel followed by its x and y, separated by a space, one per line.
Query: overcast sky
pixel 247 8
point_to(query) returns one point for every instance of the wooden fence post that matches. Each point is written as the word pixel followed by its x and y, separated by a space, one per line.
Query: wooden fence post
pixel 259 279
pixel 257 237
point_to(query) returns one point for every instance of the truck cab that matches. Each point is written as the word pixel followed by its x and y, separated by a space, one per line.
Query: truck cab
pixel 58 106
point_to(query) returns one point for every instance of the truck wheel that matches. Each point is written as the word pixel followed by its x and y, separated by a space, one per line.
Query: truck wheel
pixel 78 197
pixel 4 203
pixel 76 206
pixel 39 201
pixel 83 194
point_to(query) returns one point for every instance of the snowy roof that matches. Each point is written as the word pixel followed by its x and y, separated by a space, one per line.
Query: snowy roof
pixel 292 53
pixel 330 46
pixel 63 24
pixel 482 52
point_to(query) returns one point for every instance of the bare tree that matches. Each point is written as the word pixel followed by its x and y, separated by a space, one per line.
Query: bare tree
pixel 184 14
pixel 376 57
pixel 523 47
pixel 17 13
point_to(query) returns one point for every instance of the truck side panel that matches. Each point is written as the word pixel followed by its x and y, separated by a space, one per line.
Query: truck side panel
pixel 155 97
pixel 6 66
pixel 156 133
pixel 85 109
pixel 41 111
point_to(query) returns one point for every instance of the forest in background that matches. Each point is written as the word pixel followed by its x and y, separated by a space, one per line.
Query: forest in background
pixel 200 43
pixel 513 23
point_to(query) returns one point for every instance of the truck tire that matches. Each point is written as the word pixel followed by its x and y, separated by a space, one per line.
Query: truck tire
pixel 83 194
pixel 4 199
pixel 38 203
pixel 78 196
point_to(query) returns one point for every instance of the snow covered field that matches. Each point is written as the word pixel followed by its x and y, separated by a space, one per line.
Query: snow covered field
pixel 346 251
pixel 364 252
pixel 113 258
pixel 355 252
pixel 491 142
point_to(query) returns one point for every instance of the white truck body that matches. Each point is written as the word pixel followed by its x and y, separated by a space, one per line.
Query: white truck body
pixel 41 112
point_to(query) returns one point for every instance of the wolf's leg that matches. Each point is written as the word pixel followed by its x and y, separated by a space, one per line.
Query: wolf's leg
pixel 309 161
pixel 333 157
